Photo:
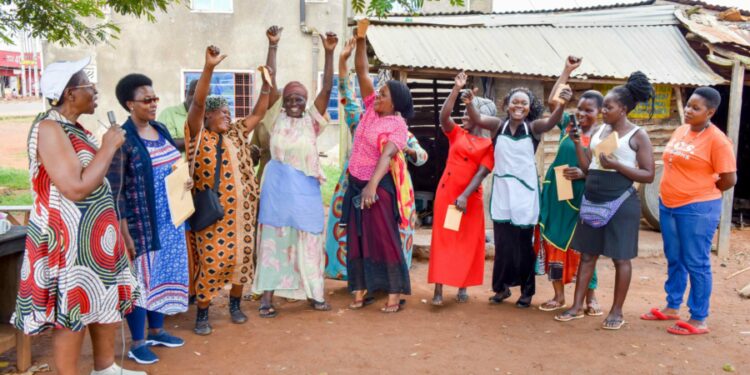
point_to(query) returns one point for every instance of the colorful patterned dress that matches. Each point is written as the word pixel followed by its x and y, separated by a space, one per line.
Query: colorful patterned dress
pixel 290 256
pixel 335 234
pixel 163 274
pixel 75 269
pixel 223 252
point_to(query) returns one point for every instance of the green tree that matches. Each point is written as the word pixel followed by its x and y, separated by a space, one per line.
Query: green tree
pixel 68 22
pixel 71 21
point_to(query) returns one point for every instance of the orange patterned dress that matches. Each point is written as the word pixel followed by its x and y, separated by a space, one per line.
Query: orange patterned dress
pixel 223 252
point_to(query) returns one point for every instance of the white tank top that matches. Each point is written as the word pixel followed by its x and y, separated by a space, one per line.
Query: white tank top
pixel 624 153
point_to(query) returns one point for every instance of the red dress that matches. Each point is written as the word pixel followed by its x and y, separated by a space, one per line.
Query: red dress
pixel 457 257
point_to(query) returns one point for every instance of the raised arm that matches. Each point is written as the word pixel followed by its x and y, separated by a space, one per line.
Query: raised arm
pixel 571 64
pixel 198 106
pixel 446 123
pixel 329 44
pixel 490 123
pixel 65 170
pixel 543 125
pixel 250 122
pixel 644 155
pixel 274 36
pixel 362 67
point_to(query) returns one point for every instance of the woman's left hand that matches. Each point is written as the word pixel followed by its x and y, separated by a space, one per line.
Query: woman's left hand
pixel 369 196
pixel 461 203
pixel 573 173
pixel 608 161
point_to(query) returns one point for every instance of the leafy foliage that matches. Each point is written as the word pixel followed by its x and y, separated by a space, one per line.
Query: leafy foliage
pixel 381 8
pixel 68 22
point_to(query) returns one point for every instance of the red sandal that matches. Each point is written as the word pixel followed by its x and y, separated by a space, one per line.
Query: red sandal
pixel 656 314
pixel 686 329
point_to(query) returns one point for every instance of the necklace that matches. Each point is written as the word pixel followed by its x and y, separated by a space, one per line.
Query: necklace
pixel 689 143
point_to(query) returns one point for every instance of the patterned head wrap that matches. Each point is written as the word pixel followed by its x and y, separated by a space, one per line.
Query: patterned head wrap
pixel 484 106
pixel 215 102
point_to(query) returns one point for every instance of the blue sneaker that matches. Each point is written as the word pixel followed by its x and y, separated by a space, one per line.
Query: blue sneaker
pixel 164 339
pixel 143 355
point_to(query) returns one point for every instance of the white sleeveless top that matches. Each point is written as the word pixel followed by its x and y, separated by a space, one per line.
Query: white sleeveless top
pixel 624 153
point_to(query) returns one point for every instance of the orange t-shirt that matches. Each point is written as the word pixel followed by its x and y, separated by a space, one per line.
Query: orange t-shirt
pixel 692 164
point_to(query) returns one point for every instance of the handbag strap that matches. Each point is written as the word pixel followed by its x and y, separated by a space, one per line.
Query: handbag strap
pixel 219 161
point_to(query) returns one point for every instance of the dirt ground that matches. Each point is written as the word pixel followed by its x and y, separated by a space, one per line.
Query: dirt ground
pixel 13 134
pixel 475 338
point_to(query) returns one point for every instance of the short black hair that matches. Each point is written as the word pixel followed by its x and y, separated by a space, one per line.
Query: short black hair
pixel 75 80
pixel 536 108
pixel 125 89
pixel 636 90
pixel 710 95
pixel 594 95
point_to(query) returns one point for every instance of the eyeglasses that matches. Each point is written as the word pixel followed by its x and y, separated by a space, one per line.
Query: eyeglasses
pixel 154 99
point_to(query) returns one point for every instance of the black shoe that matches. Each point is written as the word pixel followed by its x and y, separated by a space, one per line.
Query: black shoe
pixel 497 299
pixel 238 317
pixel 523 302
pixel 202 327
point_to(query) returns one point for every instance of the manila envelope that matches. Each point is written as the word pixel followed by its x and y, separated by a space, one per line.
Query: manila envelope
pixel 564 186
pixel 180 200
pixel 362 27
pixel 607 146
pixel 453 218
pixel 264 72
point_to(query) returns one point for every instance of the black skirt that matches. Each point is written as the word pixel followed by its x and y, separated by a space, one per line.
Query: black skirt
pixel 619 238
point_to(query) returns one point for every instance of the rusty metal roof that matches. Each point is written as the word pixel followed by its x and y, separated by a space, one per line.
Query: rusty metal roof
pixel 539 51
pixel 708 27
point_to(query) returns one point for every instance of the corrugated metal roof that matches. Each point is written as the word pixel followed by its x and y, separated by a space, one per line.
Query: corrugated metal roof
pixel 609 52
pixel 713 30
pixel 652 15
pixel 743 5
pixel 524 6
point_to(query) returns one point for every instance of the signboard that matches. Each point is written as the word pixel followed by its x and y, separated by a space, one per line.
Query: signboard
pixel 662 102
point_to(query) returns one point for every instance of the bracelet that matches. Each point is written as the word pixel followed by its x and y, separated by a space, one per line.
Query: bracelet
pixel 273 46
pixel 265 92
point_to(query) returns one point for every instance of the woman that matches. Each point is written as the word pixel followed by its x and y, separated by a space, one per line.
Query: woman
pixel 290 257
pixel 457 257
pixel 375 260
pixel 413 153
pixel 225 248
pixel 609 188
pixel 699 164
pixel 73 235
pixel 557 219
pixel 158 248
pixel 514 206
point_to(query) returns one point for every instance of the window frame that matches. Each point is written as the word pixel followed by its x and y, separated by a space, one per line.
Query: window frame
pixel 251 72
pixel 230 11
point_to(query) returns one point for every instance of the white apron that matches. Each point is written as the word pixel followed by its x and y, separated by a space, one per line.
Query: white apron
pixel 515 184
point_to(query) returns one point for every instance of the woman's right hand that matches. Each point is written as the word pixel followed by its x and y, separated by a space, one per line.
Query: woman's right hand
pixel 460 80
pixel 572 63
pixel 214 56
pixel 113 138
pixel 461 203
pixel 348 48
pixel 467 96
pixel 274 34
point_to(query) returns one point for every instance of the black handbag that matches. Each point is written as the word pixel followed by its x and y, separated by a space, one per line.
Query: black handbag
pixel 208 209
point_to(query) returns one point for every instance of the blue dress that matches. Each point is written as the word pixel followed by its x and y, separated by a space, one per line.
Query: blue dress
pixel 163 274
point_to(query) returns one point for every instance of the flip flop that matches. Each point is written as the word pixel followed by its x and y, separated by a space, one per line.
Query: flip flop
pixel 593 310
pixel 391 309
pixel 656 314
pixel 270 311
pixel 462 297
pixel 552 305
pixel 615 327
pixel 437 301
pixel 568 317
pixel 686 329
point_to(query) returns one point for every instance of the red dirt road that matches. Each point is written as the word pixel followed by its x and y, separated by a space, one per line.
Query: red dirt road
pixel 475 338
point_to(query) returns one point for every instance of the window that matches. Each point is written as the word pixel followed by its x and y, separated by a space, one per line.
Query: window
pixel 333 102
pixel 212 6
pixel 236 86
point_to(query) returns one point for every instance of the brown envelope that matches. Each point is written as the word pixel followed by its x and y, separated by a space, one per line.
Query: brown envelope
pixel 607 146
pixel 362 27
pixel 266 77
pixel 180 200
pixel 564 186
pixel 556 97
pixel 453 218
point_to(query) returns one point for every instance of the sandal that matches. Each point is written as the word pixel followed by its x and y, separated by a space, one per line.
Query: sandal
pixel 656 314
pixel 320 306
pixel 686 329
pixel 618 323
pixel 496 300
pixel 593 309
pixel 267 311
pixel 567 316
pixel 391 309
pixel 552 305
pixel 462 297
pixel 436 301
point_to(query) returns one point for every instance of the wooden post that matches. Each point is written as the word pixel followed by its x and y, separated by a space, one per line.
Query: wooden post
pixel 733 132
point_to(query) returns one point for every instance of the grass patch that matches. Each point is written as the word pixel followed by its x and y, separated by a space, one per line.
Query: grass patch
pixel 332 172
pixel 15 179
pixel 17 198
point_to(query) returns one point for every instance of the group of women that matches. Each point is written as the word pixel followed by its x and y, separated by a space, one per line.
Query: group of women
pixel 101 245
